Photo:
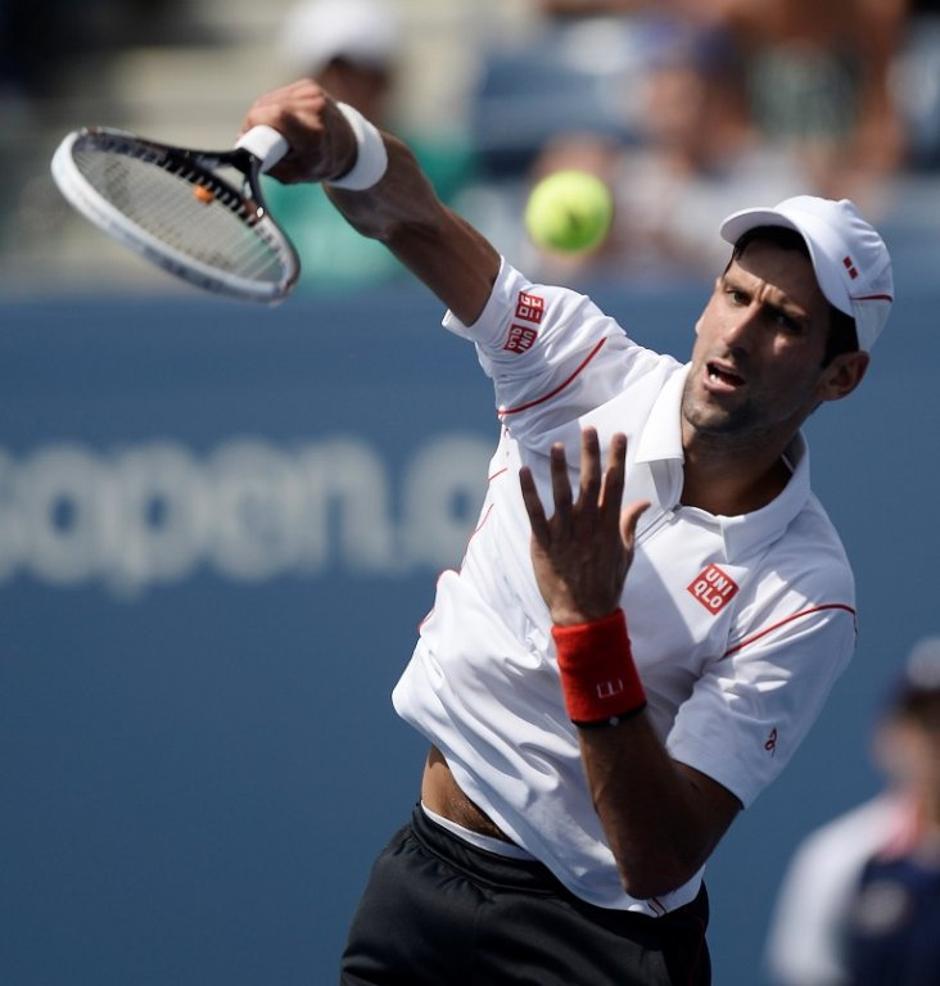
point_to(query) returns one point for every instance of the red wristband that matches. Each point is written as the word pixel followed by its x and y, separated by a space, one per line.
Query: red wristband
pixel 598 676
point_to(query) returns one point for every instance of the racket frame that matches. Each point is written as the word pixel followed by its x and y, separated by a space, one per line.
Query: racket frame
pixel 201 167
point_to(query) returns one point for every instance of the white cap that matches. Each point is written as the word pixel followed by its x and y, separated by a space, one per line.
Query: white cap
pixel 851 261
pixel 923 665
pixel 317 31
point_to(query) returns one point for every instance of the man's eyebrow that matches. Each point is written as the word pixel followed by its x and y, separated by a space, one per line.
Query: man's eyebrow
pixel 780 303
pixel 788 307
pixel 727 279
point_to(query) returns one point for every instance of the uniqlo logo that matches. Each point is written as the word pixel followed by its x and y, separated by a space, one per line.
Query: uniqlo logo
pixel 850 267
pixel 713 588
pixel 520 338
pixel 530 307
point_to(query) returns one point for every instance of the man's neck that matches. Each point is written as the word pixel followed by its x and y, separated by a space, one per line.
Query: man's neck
pixel 731 481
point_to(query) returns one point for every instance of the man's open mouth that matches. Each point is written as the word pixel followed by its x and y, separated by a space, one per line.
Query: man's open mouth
pixel 722 376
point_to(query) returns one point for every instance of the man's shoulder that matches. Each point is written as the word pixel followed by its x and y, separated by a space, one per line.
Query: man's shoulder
pixel 805 570
pixel 811 544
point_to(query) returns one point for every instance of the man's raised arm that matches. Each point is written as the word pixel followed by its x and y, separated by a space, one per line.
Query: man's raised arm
pixel 401 210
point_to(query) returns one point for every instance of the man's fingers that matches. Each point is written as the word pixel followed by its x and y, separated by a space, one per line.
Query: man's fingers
pixel 561 484
pixel 590 469
pixel 628 521
pixel 320 139
pixel 533 506
pixel 612 491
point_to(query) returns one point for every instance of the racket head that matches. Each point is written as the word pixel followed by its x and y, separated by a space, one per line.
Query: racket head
pixel 172 206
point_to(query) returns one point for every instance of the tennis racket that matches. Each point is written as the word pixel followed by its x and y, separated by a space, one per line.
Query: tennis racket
pixel 198 214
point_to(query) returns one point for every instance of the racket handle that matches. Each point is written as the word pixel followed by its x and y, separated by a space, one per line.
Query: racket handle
pixel 266 144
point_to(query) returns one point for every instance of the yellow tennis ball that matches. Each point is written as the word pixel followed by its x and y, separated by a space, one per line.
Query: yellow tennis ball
pixel 569 211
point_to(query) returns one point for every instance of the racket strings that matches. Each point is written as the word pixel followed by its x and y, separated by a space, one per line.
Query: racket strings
pixel 215 227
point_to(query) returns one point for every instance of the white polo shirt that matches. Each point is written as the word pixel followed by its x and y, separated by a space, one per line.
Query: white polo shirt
pixel 739 625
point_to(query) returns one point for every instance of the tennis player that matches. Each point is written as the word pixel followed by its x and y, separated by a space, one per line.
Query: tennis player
pixel 652 609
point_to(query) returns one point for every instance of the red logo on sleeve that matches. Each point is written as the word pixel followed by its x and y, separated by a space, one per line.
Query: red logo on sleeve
pixel 713 588
pixel 520 338
pixel 530 307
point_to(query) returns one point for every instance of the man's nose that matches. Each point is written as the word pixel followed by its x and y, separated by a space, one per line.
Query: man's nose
pixel 740 328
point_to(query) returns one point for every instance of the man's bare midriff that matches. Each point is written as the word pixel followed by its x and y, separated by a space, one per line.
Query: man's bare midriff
pixel 442 794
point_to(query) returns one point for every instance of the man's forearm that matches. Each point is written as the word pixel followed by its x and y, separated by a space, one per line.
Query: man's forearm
pixel 661 818
pixel 403 211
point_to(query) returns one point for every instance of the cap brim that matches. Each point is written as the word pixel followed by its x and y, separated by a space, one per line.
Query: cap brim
pixel 816 237
pixel 739 223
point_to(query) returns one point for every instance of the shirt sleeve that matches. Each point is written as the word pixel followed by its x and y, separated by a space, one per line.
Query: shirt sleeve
pixel 754 704
pixel 552 353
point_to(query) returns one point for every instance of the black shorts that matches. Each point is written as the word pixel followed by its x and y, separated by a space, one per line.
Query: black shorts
pixel 440 912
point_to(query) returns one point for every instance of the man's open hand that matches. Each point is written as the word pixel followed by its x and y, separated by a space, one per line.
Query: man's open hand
pixel 581 555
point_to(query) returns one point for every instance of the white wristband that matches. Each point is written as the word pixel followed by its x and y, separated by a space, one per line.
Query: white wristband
pixel 371 156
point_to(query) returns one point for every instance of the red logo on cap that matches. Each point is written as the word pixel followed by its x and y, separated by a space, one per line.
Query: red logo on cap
pixel 520 338
pixel 713 588
pixel 850 267
pixel 530 307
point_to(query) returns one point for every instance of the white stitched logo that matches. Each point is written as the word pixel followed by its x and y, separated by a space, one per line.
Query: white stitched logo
pixel 608 689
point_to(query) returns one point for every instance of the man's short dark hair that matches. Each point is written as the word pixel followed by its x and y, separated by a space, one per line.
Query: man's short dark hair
pixel 842 336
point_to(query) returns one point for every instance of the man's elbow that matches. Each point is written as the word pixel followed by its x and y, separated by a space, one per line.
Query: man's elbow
pixel 645 886
pixel 654 877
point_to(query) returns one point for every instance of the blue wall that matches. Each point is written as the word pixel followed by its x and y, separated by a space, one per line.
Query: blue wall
pixel 200 623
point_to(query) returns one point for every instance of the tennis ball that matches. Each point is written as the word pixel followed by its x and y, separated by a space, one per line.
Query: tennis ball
pixel 569 211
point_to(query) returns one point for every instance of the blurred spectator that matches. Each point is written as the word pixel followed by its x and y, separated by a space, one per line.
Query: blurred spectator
pixel 860 904
pixel 696 158
pixel 818 82
pixel 818 75
pixel 915 82
pixel 740 100
pixel 352 48
pixel 590 8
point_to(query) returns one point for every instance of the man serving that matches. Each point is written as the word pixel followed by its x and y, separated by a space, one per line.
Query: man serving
pixel 654 605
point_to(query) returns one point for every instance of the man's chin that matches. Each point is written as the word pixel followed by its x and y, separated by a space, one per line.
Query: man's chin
pixel 717 421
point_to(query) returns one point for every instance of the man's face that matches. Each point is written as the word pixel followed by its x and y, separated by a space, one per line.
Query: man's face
pixel 757 361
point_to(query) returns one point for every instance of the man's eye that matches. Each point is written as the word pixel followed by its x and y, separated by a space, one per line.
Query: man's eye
pixel 738 297
pixel 785 322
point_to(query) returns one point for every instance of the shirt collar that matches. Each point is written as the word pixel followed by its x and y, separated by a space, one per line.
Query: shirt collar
pixel 662 433
pixel 743 533
pixel 662 440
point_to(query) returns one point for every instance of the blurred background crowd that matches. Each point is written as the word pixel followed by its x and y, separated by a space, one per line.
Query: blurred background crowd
pixel 686 107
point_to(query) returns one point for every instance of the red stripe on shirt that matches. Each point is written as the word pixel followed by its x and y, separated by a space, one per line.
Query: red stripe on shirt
pixel 539 400
pixel 789 619
pixel 483 520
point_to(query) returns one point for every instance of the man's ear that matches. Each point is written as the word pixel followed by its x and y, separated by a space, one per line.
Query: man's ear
pixel 843 375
